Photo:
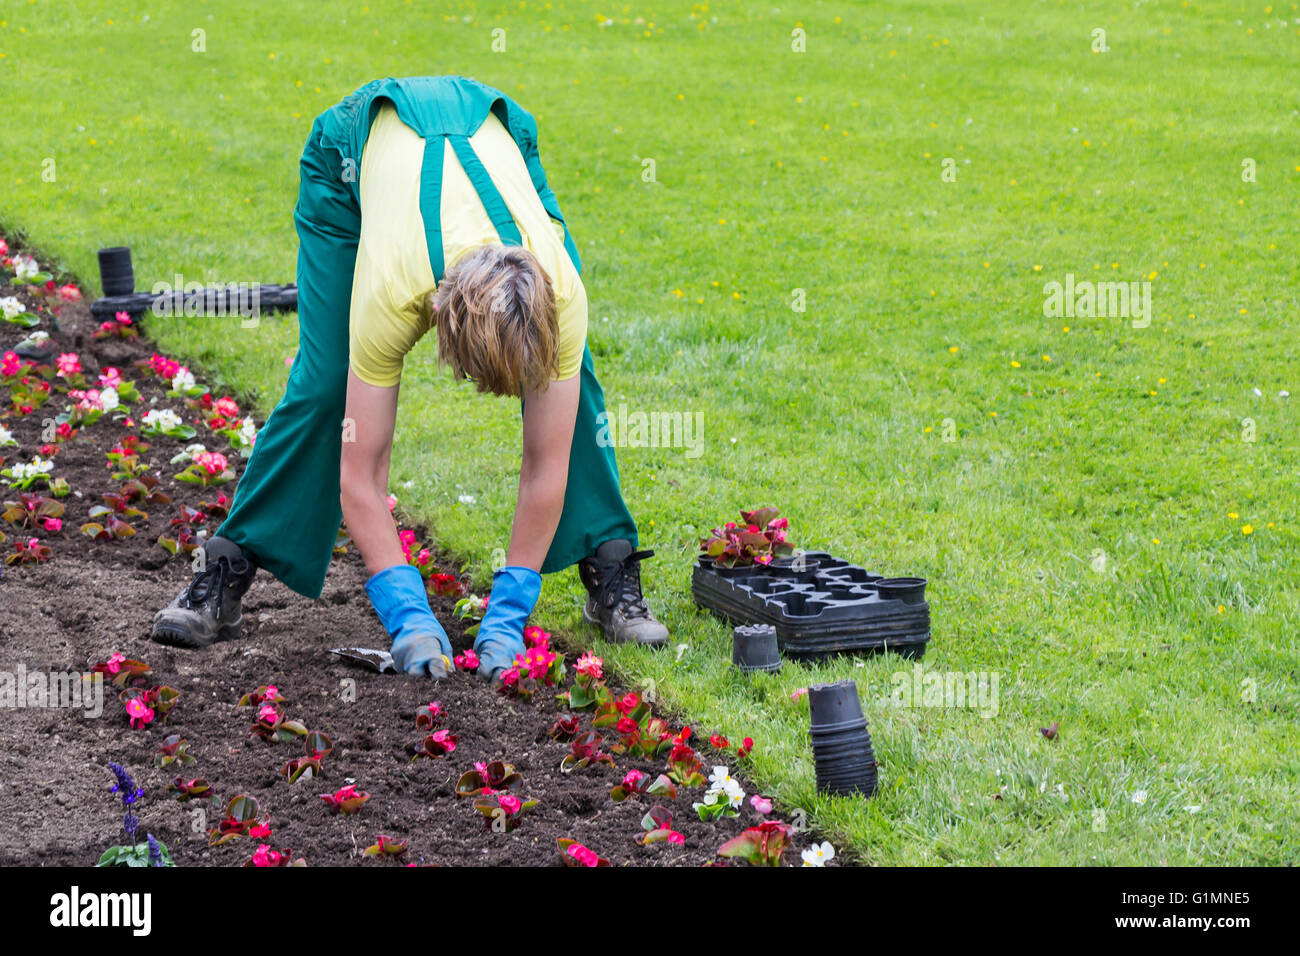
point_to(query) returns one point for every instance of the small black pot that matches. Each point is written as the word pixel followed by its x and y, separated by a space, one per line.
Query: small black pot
pixel 847 768
pixel 116 274
pixel 833 706
pixel 907 590
pixel 862 781
pixel 754 648
pixel 829 736
pixel 848 746
pixel 806 565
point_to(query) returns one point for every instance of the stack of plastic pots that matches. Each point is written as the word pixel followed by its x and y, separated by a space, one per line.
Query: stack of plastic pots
pixel 754 649
pixel 845 762
pixel 116 274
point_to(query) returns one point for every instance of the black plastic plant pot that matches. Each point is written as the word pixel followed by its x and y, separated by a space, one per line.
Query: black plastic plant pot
pixel 907 590
pixel 849 759
pixel 799 565
pixel 754 648
pixel 864 782
pixel 832 706
pixel 116 273
pixel 854 769
pixel 847 746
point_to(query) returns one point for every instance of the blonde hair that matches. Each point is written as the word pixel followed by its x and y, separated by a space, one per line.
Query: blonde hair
pixel 496 322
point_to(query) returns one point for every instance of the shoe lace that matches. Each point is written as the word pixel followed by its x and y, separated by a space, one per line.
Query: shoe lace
pixel 621 584
pixel 214 576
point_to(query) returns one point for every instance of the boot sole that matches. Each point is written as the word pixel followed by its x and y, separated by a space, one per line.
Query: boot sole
pixel 176 637
pixel 614 638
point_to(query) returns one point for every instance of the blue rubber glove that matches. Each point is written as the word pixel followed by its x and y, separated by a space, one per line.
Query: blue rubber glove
pixel 420 645
pixel 501 634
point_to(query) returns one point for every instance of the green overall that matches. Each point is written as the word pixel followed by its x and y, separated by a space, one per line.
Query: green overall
pixel 286 509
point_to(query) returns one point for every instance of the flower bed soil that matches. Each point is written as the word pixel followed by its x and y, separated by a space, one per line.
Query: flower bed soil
pixel 93 598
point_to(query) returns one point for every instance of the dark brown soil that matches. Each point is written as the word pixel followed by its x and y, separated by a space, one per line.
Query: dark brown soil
pixel 94 598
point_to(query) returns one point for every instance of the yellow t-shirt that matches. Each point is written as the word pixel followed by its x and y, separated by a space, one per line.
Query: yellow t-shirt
pixel 389 311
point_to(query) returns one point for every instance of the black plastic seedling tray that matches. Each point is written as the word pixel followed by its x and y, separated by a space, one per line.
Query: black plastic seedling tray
pixel 828 607
pixel 218 300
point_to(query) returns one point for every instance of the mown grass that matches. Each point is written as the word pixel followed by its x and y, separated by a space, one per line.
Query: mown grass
pixel 1083 532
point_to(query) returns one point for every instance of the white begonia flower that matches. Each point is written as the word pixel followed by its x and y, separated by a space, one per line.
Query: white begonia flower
pixel 162 419
pixel 818 854
pixel 7 437
pixel 25 266
pixel 37 466
pixel 183 379
pixel 195 448
pixel 39 338
pixel 108 398
pixel 12 306
pixel 722 784
pixel 247 431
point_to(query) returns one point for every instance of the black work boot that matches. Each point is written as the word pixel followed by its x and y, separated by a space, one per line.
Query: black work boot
pixel 209 609
pixel 614 599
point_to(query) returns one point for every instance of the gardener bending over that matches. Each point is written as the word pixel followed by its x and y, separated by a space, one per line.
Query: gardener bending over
pixel 410 186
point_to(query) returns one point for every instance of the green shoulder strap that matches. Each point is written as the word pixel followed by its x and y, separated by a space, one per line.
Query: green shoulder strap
pixel 431 201
pixel 487 191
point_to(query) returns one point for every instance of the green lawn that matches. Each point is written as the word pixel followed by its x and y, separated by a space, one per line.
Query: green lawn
pixel 1083 531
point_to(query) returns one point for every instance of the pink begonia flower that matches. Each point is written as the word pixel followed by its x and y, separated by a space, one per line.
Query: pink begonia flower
pixel 778 523
pixel 123 318
pixel 536 660
pixel 271 690
pixel 87 400
pixel 214 463
pixel 392 502
pixel 68 363
pixel 590 665
pixel 509 678
pixel 583 855
pixel 626 725
pixel 509 804
pixel 467 660
pixel 227 407
pixel 443 741
pixel 10 364
pixel 536 637
pixel 110 377
pixel 288 359
pixel 139 712
pixel 114 663
pixel 265 856
pixel 760 803
pixel 423 557
pixel 260 830
pixel 633 779
pixel 69 293
pixel 33 542
pixel 53 524
pixel 268 713
pixel 797 694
